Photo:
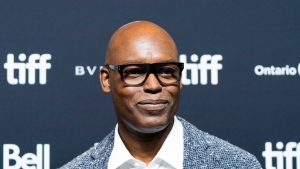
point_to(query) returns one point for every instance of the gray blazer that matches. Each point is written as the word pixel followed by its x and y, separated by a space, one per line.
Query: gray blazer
pixel 201 150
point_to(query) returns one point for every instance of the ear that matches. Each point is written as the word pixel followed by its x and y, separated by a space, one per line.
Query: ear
pixel 104 80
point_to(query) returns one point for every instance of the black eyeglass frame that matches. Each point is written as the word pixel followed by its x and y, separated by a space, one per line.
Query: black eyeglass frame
pixel 151 68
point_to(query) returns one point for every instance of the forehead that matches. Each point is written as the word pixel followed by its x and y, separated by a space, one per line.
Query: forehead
pixel 146 50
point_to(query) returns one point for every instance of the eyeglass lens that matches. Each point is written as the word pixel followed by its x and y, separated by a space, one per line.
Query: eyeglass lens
pixel 136 74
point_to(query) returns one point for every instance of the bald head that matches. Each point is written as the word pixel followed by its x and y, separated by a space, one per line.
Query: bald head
pixel 141 38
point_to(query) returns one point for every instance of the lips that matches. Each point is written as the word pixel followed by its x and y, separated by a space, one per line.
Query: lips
pixel 152 105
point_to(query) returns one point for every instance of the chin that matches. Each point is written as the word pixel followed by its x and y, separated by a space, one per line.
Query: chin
pixel 148 130
pixel 147 127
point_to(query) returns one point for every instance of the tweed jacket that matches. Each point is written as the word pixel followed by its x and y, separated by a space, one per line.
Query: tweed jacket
pixel 201 151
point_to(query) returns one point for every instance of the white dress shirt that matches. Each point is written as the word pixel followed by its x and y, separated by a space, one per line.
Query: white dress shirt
pixel 170 155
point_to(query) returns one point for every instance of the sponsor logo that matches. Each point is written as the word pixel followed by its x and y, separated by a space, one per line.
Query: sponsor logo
pixel 205 64
pixel 203 67
pixel 290 155
pixel 27 71
pixel 81 70
pixel 287 70
pixel 13 160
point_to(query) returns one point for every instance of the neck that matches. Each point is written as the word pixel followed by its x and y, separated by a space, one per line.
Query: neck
pixel 141 146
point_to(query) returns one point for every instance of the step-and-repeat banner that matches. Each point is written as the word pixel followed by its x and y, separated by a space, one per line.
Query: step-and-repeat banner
pixel 241 80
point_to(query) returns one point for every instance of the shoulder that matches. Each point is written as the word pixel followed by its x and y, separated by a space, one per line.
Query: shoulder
pixel 213 151
pixel 96 157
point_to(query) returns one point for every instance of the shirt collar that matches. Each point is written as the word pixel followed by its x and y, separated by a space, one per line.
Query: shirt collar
pixel 119 154
pixel 172 149
pixel 170 152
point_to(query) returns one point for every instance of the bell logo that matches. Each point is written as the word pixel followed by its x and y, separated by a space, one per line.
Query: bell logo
pixel 32 65
pixel 206 63
pixel 12 160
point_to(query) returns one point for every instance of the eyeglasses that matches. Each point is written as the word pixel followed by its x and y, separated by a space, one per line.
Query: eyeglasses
pixel 136 74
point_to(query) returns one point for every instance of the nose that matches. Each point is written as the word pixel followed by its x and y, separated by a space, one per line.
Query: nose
pixel 152 84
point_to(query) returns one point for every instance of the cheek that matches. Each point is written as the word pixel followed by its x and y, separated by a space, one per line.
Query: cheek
pixel 124 99
pixel 174 92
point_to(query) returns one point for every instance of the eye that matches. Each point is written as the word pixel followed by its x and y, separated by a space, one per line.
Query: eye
pixel 166 70
pixel 133 72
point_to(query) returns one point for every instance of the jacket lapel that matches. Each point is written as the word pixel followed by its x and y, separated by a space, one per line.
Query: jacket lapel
pixel 195 146
pixel 100 155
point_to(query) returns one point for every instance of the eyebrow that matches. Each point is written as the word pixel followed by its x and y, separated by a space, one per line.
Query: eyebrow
pixel 137 62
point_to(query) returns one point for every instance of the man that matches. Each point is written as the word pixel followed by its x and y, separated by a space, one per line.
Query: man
pixel 143 74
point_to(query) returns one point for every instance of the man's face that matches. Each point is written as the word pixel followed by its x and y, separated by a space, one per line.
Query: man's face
pixel 148 108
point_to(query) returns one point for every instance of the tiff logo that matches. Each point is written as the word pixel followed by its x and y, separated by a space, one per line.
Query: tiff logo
pixel 291 154
pixel 35 62
pixel 207 63
pixel 13 160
